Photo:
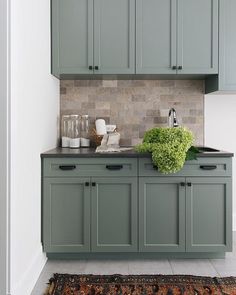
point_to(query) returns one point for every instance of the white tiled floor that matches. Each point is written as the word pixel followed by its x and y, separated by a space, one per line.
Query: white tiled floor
pixel 204 267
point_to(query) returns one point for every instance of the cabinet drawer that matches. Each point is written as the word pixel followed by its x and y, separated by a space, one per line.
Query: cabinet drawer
pixel 200 167
pixel 63 167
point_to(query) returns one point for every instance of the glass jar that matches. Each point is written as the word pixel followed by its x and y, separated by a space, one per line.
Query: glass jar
pixel 65 130
pixel 85 141
pixel 74 131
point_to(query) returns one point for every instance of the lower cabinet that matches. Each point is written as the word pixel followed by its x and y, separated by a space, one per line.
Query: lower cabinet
pixel 90 214
pixel 162 214
pixel 114 214
pixel 66 215
pixel 167 204
pixel 208 214
pixel 127 210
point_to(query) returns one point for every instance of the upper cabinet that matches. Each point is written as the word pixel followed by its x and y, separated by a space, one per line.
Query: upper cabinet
pixel 156 36
pixel 93 37
pixel 197 31
pixel 177 36
pixel 227 74
pixel 148 37
pixel 114 36
pixel 72 37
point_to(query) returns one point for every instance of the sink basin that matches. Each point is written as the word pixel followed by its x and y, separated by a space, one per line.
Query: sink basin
pixel 204 149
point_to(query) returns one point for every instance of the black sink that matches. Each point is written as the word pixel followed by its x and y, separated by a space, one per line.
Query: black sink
pixel 205 149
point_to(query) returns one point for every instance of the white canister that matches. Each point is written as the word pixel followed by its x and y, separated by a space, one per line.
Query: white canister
pixel 74 143
pixel 65 141
pixel 100 127
pixel 84 142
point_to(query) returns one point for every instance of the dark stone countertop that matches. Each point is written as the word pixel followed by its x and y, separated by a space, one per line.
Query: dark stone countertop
pixel 90 153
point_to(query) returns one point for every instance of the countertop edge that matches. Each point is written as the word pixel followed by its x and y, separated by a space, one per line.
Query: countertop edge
pixel 90 153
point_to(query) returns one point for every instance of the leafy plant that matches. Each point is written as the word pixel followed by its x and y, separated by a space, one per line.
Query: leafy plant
pixel 170 147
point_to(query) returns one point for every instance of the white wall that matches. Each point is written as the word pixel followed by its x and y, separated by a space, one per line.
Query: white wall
pixel 34 113
pixel 220 130
pixel 4 140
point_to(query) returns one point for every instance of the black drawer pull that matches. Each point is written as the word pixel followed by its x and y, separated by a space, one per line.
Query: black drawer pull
pixel 67 167
pixel 93 183
pixel 86 183
pixel 182 183
pixel 189 184
pixel 114 167
pixel 208 167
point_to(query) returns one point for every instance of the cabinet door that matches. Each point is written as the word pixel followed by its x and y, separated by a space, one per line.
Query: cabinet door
pixel 197 49
pixel 161 214
pixel 208 214
pixel 227 67
pixel 155 36
pixel 72 36
pixel 114 214
pixel 114 36
pixel 66 215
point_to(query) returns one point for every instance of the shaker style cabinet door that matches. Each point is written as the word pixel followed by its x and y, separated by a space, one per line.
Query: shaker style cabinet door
pixel 72 37
pixel 162 214
pixel 197 43
pixel 227 41
pixel 114 36
pixel 156 36
pixel 114 214
pixel 66 215
pixel 208 215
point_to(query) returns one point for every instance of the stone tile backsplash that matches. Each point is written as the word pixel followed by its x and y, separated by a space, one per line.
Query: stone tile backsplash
pixel 136 105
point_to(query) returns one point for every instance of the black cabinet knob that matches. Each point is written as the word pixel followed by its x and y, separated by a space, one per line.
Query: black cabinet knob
pixel 86 183
pixel 93 183
pixel 180 67
pixel 96 68
pixel 174 68
pixel 189 184
pixel 182 183
pixel 90 68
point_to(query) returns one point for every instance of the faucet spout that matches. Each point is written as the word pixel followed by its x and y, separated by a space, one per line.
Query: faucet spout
pixel 172 118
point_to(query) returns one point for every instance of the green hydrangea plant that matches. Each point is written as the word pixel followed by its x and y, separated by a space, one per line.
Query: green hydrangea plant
pixel 170 148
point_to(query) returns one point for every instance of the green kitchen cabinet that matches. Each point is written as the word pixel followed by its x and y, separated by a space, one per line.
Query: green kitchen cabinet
pixel 227 45
pixel 208 214
pixel 66 211
pixel 177 36
pixel 226 80
pixel 114 214
pixel 93 37
pixel 156 36
pixel 114 36
pixel 72 37
pixel 162 214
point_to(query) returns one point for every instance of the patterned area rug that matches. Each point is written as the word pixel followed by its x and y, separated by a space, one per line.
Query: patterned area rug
pixel 65 284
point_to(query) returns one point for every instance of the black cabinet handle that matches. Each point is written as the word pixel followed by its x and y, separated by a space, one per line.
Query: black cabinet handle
pixel 189 184
pixel 86 183
pixel 208 167
pixel 180 68
pixel 96 68
pixel 114 167
pixel 93 183
pixel 174 68
pixel 155 167
pixel 67 167
pixel 90 68
pixel 182 183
